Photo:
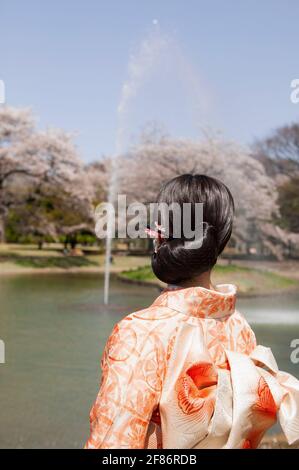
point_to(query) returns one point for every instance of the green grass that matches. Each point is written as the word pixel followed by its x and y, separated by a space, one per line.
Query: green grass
pixel 248 280
pixel 48 261
pixel 143 273
pixel 15 258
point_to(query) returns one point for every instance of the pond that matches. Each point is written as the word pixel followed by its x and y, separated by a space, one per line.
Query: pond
pixel 55 328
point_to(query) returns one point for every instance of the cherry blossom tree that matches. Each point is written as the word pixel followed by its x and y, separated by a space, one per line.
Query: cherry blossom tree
pixel 98 178
pixel 279 152
pixel 39 163
pixel 157 159
pixel 148 165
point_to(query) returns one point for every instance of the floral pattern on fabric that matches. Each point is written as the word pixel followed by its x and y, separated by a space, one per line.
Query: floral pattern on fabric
pixel 186 373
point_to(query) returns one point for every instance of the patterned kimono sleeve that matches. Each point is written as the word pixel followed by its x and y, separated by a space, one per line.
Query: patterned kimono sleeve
pixel 246 340
pixel 251 342
pixel 130 389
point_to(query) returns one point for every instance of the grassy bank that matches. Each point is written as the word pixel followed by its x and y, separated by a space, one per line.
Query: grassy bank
pixel 18 259
pixel 249 281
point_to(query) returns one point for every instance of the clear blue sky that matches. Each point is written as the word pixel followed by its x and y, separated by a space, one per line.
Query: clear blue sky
pixel 67 59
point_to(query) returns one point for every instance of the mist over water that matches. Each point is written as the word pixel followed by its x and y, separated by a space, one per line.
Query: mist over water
pixel 271 310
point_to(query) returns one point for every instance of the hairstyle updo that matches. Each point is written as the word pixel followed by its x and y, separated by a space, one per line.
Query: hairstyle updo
pixel 173 263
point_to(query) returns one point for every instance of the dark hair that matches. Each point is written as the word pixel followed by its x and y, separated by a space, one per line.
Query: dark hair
pixel 173 262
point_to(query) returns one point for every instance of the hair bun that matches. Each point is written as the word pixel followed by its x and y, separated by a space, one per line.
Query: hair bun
pixel 176 260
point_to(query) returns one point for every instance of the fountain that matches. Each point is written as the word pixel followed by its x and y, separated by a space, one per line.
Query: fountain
pixel 140 65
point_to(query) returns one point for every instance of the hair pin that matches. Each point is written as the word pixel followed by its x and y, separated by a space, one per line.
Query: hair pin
pixel 158 235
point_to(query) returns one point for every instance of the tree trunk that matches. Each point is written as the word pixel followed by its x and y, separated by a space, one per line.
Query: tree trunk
pixel 2 229
pixel 73 242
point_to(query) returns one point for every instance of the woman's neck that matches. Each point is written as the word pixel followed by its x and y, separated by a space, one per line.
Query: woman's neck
pixel 203 280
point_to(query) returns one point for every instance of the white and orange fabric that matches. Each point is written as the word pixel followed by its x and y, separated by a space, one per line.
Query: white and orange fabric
pixel 187 373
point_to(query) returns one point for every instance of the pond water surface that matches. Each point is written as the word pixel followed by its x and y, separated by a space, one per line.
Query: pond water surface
pixel 55 327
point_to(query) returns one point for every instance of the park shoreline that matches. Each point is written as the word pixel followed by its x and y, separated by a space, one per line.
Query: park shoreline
pixel 243 295
pixel 31 271
pixel 118 273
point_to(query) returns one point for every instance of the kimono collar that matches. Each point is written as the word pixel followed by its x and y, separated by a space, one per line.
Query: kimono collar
pixel 198 301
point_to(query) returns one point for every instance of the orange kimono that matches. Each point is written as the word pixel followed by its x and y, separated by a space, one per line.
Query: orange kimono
pixel 187 373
